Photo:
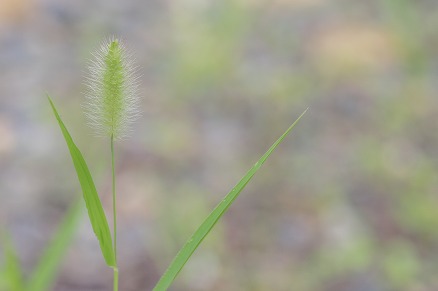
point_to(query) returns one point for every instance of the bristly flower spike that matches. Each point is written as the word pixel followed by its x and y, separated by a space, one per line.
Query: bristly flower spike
pixel 112 102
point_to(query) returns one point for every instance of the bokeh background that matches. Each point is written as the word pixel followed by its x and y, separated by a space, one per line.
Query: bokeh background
pixel 348 202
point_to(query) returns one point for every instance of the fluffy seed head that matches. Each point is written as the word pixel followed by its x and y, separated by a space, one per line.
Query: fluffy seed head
pixel 111 99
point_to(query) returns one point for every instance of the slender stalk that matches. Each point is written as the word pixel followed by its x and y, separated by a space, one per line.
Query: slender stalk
pixel 116 271
pixel 116 279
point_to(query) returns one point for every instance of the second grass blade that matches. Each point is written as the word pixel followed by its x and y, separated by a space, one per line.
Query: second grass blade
pixel 45 273
pixel 12 274
pixel 192 244
pixel 92 200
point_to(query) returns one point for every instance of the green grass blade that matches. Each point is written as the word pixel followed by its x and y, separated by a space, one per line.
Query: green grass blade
pixel 192 244
pixel 94 206
pixel 46 271
pixel 12 274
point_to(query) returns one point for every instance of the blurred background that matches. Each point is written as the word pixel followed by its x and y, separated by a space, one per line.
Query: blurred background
pixel 347 202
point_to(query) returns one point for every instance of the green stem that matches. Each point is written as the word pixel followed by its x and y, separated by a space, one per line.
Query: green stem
pixel 116 271
pixel 116 279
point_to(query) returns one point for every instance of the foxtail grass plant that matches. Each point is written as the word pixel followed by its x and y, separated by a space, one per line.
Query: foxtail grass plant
pixel 111 107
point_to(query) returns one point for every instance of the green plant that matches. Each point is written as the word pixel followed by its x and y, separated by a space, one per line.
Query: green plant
pixel 111 107
pixel 46 270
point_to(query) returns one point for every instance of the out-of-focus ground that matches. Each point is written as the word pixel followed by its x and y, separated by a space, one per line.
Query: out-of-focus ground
pixel 348 202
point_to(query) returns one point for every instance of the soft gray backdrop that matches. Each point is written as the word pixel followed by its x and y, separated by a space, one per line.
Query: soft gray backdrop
pixel 347 202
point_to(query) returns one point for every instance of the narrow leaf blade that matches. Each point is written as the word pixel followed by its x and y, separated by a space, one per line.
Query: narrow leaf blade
pixel 192 244
pixel 94 206
pixel 46 271
pixel 12 275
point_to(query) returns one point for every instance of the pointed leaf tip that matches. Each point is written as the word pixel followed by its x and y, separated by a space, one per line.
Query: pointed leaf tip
pixel 207 225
